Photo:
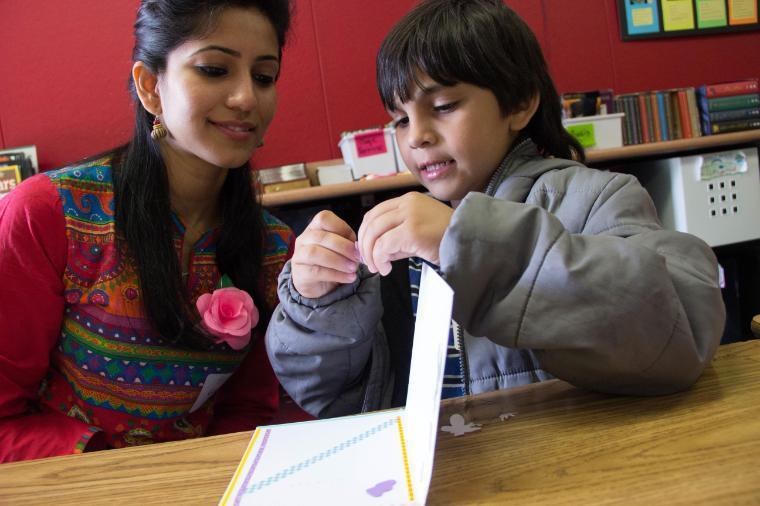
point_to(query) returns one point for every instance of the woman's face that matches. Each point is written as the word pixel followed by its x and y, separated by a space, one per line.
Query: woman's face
pixel 218 93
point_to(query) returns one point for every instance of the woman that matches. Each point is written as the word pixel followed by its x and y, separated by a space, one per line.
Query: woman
pixel 112 331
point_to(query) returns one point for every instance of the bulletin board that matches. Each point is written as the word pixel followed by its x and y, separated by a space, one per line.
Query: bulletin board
pixel 642 19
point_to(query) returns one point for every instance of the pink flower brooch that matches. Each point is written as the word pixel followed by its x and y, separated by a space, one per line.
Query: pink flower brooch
pixel 228 313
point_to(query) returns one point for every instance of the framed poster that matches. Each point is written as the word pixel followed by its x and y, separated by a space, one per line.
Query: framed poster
pixel 641 19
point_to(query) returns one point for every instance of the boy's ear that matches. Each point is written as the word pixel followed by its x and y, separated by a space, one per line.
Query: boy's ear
pixel 146 85
pixel 522 116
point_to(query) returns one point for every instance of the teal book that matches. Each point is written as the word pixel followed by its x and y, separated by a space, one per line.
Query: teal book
pixel 663 116
pixel 730 103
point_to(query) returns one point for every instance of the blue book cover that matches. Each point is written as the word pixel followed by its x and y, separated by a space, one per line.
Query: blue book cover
pixel 663 116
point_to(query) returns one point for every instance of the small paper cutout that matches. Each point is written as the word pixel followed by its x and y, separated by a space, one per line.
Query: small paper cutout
pixel 458 427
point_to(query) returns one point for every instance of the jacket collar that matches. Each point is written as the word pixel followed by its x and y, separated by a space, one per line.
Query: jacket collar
pixel 518 172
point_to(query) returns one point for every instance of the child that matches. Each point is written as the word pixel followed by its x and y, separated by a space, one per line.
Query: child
pixel 109 334
pixel 558 270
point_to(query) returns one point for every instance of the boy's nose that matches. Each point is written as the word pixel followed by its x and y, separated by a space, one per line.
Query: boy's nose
pixel 420 135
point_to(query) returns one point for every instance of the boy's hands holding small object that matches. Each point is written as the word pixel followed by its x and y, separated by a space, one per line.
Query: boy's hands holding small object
pixel 325 256
pixel 407 226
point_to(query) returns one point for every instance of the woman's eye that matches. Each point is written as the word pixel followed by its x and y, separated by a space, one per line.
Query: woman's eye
pixel 264 79
pixel 211 71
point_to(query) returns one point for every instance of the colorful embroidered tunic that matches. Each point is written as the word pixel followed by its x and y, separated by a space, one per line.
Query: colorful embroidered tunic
pixel 79 363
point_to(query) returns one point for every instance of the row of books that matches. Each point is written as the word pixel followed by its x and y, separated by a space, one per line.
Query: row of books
pixel 663 115
pixel 683 113
pixel 729 106
pixel 16 164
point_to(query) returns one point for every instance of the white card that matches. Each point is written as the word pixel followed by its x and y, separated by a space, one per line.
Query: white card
pixel 210 386
pixel 385 457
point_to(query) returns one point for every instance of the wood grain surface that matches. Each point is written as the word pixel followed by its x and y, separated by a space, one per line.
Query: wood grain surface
pixel 547 443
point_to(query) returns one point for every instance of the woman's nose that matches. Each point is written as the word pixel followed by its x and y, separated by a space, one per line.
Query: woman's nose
pixel 243 95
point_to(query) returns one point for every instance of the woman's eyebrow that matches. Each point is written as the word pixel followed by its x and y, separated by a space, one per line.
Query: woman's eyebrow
pixel 234 53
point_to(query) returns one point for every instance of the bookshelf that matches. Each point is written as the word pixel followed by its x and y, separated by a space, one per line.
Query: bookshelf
pixel 594 157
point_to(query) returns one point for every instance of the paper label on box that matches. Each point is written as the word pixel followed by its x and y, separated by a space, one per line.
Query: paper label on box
pixel 721 164
pixel 370 143
pixel 584 133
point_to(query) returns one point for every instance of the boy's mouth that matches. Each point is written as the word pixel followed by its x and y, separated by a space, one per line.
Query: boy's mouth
pixel 434 169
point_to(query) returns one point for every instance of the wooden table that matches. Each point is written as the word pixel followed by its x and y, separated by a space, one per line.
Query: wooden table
pixel 561 446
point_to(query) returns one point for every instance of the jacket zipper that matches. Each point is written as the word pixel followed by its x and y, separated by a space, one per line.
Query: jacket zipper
pixel 491 187
pixel 459 345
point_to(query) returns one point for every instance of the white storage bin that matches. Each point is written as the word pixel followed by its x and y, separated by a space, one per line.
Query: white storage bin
pixel 714 196
pixel 369 152
pixel 602 131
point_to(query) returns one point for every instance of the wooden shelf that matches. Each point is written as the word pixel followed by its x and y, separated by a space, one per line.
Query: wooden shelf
pixel 406 180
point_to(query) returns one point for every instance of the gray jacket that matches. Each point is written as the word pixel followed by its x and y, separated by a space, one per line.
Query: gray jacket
pixel 555 264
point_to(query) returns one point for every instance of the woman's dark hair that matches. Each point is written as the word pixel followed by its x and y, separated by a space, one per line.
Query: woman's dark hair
pixel 141 187
pixel 480 42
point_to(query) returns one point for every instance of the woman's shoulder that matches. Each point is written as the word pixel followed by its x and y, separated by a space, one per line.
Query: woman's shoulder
pixel 96 170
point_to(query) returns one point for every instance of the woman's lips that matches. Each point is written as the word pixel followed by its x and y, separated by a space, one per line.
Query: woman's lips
pixel 235 130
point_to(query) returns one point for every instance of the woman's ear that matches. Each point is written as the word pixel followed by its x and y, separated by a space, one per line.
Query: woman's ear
pixel 522 116
pixel 146 85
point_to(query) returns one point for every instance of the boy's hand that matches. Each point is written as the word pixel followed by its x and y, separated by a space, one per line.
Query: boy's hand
pixel 407 226
pixel 325 256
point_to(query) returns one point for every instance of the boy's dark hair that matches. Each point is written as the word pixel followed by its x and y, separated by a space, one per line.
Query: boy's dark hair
pixel 141 187
pixel 480 42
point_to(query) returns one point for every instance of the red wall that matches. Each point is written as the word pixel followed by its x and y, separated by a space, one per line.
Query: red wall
pixel 66 64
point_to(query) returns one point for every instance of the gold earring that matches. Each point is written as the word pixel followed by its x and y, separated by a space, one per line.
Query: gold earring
pixel 159 130
pixel 261 143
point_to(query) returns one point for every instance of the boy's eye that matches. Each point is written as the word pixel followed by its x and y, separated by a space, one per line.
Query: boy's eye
pixel 401 122
pixel 445 107
pixel 211 71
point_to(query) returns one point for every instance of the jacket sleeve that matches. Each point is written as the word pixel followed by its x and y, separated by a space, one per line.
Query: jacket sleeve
pixel 32 262
pixel 330 353
pixel 622 306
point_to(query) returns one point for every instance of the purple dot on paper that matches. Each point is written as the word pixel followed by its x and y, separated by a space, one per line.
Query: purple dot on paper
pixel 381 488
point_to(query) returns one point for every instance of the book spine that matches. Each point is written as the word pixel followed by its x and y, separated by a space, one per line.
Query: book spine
pixel 735 114
pixel 620 107
pixel 683 114
pixel 733 88
pixel 642 100
pixel 735 102
pixel 655 116
pixel 650 118
pixel 735 126
pixel 636 119
pixel 675 116
pixel 696 125
pixel 668 107
pixel 663 116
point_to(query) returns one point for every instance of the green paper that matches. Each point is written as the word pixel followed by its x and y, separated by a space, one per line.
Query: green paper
pixel 711 13
pixel 585 134
pixel 225 282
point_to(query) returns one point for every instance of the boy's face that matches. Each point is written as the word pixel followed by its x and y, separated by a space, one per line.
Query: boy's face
pixel 452 138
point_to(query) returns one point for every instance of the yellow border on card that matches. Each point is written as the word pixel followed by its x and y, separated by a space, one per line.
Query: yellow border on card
pixel 406 459
pixel 236 476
